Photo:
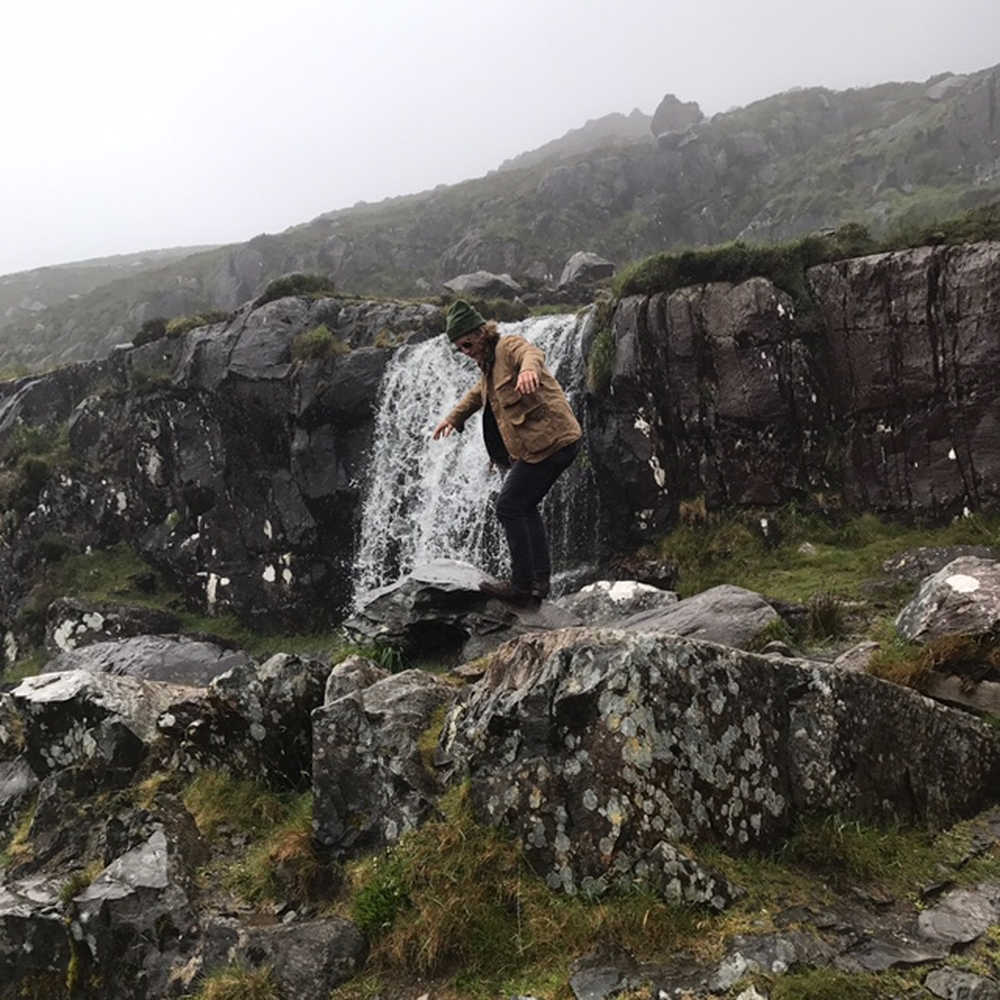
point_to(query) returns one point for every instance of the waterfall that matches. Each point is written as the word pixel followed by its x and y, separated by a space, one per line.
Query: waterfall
pixel 434 499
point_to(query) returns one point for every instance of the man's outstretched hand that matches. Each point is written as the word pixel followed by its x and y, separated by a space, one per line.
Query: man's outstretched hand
pixel 527 382
pixel 443 429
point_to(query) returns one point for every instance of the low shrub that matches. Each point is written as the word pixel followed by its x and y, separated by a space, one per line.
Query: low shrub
pixel 295 284
pixel 784 263
pixel 316 344
pixel 601 362
pixel 152 329
pixel 180 325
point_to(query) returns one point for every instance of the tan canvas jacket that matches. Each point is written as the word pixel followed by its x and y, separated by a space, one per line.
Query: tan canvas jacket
pixel 534 426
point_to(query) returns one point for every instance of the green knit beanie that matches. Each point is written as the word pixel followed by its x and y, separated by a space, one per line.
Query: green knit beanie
pixel 462 319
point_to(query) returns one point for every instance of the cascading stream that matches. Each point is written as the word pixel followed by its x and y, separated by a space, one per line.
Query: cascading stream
pixel 434 499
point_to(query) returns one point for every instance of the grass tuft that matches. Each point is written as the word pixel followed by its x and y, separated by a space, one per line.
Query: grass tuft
pixel 237 982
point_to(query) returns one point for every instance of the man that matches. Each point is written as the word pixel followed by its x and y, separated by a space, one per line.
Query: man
pixel 528 428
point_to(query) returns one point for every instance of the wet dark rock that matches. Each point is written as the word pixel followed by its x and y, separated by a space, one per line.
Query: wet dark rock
pixel 962 598
pixel 73 623
pixel 955 984
pixel 607 602
pixel 136 919
pixel 308 959
pixel 594 746
pixel 33 938
pixel 370 783
pixel 913 565
pixel 171 659
pixel 438 610
pixel 726 614
pixel 76 717
pixel 274 702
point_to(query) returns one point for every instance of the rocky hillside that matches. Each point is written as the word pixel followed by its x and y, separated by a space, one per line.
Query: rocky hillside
pixel 26 293
pixel 730 395
pixel 795 162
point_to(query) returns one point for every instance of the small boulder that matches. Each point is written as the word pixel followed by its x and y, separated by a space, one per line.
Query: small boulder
pixel 962 598
pixel 608 601
pixel 308 960
pixel 726 614
pixel 370 780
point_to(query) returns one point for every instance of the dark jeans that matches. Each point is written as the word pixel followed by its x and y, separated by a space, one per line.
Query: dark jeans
pixel 524 488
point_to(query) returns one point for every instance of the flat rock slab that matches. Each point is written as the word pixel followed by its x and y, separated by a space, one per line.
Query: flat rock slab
pixel 730 615
pixel 439 609
pixel 172 659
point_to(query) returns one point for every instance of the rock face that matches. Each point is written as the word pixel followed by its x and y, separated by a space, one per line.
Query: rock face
pixel 596 747
pixel 717 394
pixel 962 598
pixel 263 524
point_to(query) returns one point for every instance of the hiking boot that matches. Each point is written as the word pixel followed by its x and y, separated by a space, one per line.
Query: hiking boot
pixel 512 593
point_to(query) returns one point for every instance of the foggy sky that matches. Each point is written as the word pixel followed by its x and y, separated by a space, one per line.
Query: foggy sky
pixel 135 126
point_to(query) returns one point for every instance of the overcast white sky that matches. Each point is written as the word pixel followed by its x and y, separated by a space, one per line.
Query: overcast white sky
pixel 129 126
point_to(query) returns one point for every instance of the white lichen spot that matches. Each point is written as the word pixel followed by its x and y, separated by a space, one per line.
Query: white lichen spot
pixel 94 621
pixel 642 425
pixel 10 647
pixel 257 731
pixel 780 309
pixel 269 574
pixel 62 635
pixel 122 502
pixel 286 575
pixel 952 455
pixel 658 474
pixel 962 583
pixel 267 530
pixel 287 558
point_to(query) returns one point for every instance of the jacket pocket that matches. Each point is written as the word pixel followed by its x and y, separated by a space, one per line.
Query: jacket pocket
pixel 517 408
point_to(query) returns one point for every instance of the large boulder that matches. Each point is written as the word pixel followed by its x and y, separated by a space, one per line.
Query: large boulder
pixel 962 598
pixel 484 285
pixel 438 609
pixel 371 781
pixel 585 268
pixel 80 717
pixel 594 747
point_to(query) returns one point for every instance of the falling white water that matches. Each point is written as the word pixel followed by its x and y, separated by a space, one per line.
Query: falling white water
pixel 431 499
